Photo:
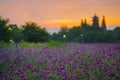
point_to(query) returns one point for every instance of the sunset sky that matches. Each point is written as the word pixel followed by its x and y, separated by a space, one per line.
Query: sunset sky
pixel 53 14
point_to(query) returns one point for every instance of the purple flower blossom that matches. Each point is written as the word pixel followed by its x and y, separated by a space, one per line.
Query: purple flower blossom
pixel 85 70
pixel 1 72
pixel 29 66
pixel 73 61
pixel 5 77
pixel 82 63
pixel 74 76
pixel 44 75
pixel 35 69
pixel 51 69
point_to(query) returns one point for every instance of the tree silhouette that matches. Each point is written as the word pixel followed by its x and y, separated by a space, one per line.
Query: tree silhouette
pixel 16 33
pixel 33 33
pixel 4 31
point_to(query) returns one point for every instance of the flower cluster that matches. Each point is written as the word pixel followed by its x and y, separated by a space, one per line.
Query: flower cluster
pixel 72 61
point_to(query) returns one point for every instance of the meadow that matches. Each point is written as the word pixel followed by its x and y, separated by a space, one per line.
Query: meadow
pixel 55 61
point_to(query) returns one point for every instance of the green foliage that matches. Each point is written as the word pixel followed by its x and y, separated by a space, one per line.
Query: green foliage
pixel 76 34
pixel 4 33
pixel 33 33
pixel 63 31
pixel 117 33
pixel 80 34
pixel 107 36
pixel 3 44
pixel 16 32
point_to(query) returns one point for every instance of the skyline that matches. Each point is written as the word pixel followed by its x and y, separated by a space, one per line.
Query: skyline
pixel 56 13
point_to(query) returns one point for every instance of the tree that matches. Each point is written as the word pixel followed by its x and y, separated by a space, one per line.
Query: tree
pixel 54 37
pixel 4 31
pixel 76 34
pixel 16 33
pixel 62 34
pixel 117 33
pixel 33 33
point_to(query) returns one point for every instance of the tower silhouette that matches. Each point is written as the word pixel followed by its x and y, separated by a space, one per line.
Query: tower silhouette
pixel 95 24
pixel 85 22
pixel 103 26
pixel 82 22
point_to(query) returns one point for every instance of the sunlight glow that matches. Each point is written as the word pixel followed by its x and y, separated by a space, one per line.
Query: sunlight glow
pixel 60 12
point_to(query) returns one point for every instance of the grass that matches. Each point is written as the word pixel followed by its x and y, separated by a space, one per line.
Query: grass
pixel 29 45
pixel 48 44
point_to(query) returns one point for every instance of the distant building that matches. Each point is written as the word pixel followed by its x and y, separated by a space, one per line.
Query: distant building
pixel 103 26
pixel 95 21
pixel 95 24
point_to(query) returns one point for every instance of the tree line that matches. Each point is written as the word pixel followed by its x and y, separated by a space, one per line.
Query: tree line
pixel 31 32
pixel 81 35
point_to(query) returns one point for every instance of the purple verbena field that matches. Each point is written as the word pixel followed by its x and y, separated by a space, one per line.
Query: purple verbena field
pixel 72 61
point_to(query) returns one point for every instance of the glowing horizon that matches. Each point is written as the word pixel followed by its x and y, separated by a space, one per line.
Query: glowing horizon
pixel 57 13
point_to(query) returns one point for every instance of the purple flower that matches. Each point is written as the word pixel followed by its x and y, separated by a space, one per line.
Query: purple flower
pixel 1 72
pixel 85 71
pixel 98 62
pixel 111 74
pixel 74 76
pixel 5 77
pixel 75 60
pixel 82 63
pixel 11 68
pixel 51 69
pixel 44 75
pixel 49 57
pixel 75 66
pixel 35 69
pixel 51 77
pixel 29 66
